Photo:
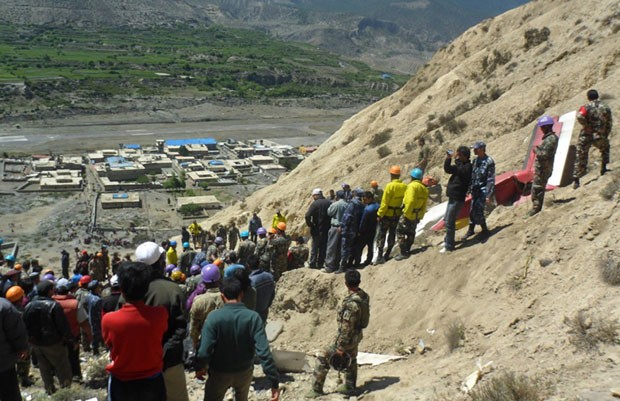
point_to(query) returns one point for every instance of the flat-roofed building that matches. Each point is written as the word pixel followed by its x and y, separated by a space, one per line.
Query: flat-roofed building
pixel 272 169
pixel 259 160
pixel 240 165
pixel 120 200
pixel 44 165
pixel 206 201
pixel 195 178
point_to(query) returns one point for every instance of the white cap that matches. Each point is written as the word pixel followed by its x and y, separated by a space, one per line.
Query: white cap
pixel 63 283
pixel 114 281
pixel 148 252
pixel 317 191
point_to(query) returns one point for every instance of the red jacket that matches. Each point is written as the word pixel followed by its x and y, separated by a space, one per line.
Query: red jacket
pixel 70 307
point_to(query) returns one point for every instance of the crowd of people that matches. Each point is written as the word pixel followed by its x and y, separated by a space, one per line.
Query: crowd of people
pixel 160 311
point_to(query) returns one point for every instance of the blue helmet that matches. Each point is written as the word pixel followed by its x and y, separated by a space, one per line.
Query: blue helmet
pixel 417 173
pixel 545 120
pixel 10 258
pixel 173 243
pixel 244 234
pixel 185 245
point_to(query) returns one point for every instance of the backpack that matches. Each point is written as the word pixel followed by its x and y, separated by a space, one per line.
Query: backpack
pixel 364 304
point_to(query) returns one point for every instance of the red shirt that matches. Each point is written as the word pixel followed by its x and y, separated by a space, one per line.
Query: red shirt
pixel 70 307
pixel 134 335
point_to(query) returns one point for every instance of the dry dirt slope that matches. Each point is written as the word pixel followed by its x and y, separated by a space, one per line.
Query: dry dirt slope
pixel 520 329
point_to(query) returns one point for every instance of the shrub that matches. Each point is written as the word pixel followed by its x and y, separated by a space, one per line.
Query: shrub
pixel 384 151
pixel 509 386
pixel 455 334
pixel 586 332
pixel 534 37
pixel 610 269
pixel 190 209
pixel 381 137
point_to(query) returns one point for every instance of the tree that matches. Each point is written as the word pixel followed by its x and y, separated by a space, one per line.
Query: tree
pixel 173 183
pixel 183 151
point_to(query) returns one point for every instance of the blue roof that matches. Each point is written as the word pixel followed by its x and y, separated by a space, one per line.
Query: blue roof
pixel 191 141
pixel 131 146
pixel 118 162
pixel 216 163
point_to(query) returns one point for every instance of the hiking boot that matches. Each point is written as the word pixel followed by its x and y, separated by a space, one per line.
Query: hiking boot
pixel 604 169
pixel 576 183
pixel 402 256
pixel 344 389
pixel 445 250
pixel 328 270
pixel 314 394
pixel 380 260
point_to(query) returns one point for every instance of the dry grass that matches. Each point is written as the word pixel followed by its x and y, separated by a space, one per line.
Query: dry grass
pixel 508 386
pixel 95 375
pixel 586 332
pixel 384 151
pixel 455 334
pixel 610 269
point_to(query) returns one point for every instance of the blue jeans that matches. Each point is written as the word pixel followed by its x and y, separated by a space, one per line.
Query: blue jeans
pixel 453 209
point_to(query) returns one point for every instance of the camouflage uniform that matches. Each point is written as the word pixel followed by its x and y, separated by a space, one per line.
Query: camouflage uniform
pixel 348 339
pixel 279 255
pixel 233 237
pixel 246 248
pixel 97 269
pixel 595 118
pixel 201 307
pixel 264 253
pixel 482 187
pixel 192 283
pixel 185 260
pixel 298 256
pixel 543 167
pixel 212 253
pixel 423 157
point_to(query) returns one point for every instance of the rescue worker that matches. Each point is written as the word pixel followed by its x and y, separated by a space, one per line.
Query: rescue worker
pixel 194 279
pixel 261 248
pixel 377 191
pixel 246 247
pixel 543 166
pixel 596 121
pixel 221 232
pixel 172 258
pixel 482 188
pixel 233 236
pixel 186 258
pixel 279 245
pixel 205 303
pixel 97 269
pixel 277 218
pixel 367 231
pixel 196 231
pixel 298 254
pixel 334 237
pixel 388 214
pixel 353 316
pixel 253 226
pixel 424 154
pixel 350 229
pixel 319 222
pixel 414 208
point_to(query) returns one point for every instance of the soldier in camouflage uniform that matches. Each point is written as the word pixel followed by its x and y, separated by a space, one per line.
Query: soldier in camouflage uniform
pixel 482 188
pixel 261 251
pixel 233 236
pixel 543 167
pixel 595 118
pixel 246 247
pixel 350 316
pixel 97 268
pixel 298 254
pixel 279 251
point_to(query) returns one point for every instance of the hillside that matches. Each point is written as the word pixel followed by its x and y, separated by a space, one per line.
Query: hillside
pixel 512 293
pixel 396 36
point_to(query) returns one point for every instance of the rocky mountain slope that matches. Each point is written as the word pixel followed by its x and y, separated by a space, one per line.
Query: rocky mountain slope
pixel 518 296
pixel 393 35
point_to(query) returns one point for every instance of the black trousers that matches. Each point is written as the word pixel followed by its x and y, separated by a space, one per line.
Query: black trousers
pixel 9 389
pixel 149 389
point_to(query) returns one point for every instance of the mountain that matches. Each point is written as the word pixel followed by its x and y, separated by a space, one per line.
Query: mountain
pixel 531 300
pixel 395 36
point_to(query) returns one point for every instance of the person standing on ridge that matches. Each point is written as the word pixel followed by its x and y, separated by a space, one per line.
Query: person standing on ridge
pixel 482 188
pixel 388 214
pixel 595 119
pixel 424 154
pixel 277 218
pixel 414 208
pixel 253 226
pixel 319 223
pixel 543 166
pixel 458 184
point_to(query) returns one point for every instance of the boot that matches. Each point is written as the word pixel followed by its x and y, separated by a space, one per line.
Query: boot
pixel 469 232
pixel 576 183
pixel 345 389
pixel 314 393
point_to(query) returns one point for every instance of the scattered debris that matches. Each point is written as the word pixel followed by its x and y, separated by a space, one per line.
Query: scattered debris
pixel 470 381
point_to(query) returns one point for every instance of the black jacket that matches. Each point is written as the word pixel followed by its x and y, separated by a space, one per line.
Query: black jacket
pixel 46 322
pixel 458 184
pixel 316 216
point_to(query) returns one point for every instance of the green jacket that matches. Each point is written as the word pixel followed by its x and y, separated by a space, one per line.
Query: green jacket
pixel 230 338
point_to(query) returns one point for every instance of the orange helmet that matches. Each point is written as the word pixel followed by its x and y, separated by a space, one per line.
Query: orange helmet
pixel 47 271
pixel 374 184
pixel 395 170
pixel 281 226
pixel 99 255
pixel 219 263
pixel 14 293
pixel 18 266
pixel 271 230
pixel 429 181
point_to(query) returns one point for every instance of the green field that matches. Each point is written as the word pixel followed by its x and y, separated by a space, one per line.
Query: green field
pixel 212 61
